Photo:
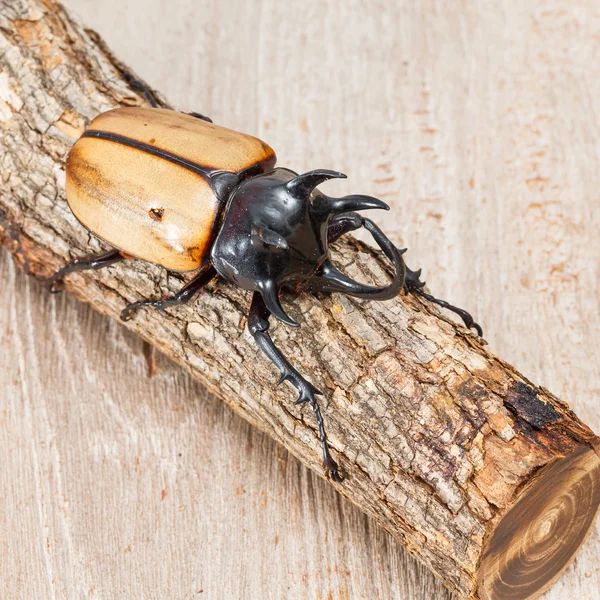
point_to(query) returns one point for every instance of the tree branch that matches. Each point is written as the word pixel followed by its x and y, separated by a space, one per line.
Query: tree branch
pixel 462 459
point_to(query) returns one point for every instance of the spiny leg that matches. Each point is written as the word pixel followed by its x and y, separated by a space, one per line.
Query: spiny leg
pixel 258 324
pixel 184 295
pixel 351 221
pixel 414 285
pixel 85 264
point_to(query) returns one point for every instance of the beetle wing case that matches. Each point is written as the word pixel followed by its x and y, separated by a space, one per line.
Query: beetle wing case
pixel 150 182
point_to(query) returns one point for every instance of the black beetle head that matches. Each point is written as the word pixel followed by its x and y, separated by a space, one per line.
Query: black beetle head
pixel 274 234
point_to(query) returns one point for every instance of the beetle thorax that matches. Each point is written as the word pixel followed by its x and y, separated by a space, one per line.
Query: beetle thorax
pixel 274 232
pixel 269 236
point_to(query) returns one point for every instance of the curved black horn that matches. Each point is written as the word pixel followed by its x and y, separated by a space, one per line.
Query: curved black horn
pixel 351 203
pixel 302 185
pixel 330 279
pixel 270 295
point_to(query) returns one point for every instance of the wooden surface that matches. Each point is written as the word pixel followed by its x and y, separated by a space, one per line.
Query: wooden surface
pixel 477 127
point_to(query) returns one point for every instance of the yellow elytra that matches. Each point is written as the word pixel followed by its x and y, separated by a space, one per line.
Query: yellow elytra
pixel 140 179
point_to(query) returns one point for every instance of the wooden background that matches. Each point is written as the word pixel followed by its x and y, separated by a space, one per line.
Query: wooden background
pixel 478 122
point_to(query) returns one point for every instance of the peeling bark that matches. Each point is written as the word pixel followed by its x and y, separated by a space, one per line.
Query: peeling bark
pixel 442 442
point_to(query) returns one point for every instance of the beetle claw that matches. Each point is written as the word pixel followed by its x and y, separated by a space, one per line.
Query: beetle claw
pixel 54 285
pixel 306 390
pixel 466 317
pixel 334 472
pixel 413 284
pixel 126 313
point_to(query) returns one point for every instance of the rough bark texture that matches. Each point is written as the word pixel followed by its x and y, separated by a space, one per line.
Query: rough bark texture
pixel 437 436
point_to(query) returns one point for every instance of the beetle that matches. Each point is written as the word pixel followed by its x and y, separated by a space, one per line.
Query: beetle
pixel 178 191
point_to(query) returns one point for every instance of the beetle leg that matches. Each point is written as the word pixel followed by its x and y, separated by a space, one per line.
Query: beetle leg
pixel 85 264
pixel 140 86
pixel 344 223
pixel 184 295
pixel 258 324
pixel 413 284
pixel 199 116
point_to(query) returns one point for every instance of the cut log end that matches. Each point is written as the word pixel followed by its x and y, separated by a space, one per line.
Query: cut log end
pixel 540 534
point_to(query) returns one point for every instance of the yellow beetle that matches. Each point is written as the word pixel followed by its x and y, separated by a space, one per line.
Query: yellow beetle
pixel 178 191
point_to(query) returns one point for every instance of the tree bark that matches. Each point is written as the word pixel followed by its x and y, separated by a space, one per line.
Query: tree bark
pixel 492 482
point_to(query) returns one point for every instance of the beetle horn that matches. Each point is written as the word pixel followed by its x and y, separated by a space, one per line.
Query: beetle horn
pixel 270 295
pixel 329 279
pixel 354 202
pixel 302 185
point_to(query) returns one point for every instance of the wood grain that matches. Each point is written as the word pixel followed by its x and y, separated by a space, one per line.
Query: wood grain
pixel 536 228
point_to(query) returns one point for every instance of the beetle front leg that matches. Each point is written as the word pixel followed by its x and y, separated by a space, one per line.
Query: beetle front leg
pixel 258 324
pixel 184 295
pixel 412 284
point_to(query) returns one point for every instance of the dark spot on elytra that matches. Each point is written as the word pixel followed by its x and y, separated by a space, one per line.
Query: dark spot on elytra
pixel 156 214
pixel 523 400
pixel 152 141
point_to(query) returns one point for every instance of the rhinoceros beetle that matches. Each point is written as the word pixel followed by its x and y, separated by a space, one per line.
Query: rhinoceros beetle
pixel 176 190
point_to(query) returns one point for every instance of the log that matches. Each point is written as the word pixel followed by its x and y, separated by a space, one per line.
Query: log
pixel 489 480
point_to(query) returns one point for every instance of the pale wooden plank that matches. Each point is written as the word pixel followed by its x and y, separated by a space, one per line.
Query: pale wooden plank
pixel 479 126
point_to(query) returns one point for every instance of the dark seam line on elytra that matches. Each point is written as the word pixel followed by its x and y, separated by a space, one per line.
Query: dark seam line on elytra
pixel 174 158
pixel 206 174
